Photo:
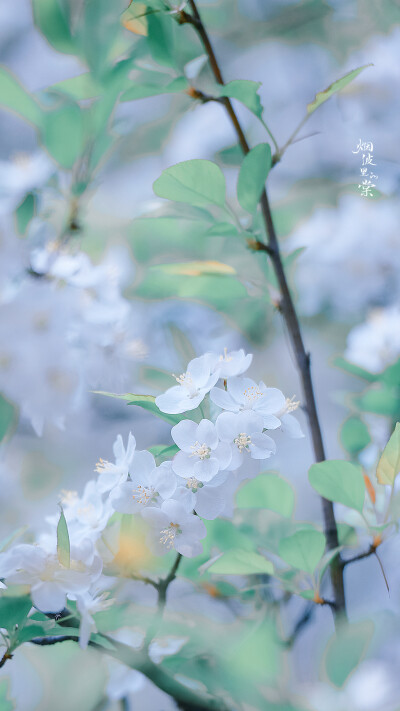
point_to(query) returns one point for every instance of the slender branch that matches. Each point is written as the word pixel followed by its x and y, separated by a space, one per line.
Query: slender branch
pixel 371 550
pixel 293 326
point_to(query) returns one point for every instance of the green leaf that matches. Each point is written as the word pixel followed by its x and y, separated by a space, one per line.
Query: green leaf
pixel 50 19
pixel 161 38
pixel 267 491
pixel 8 417
pixel 197 268
pixel 162 452
pixel 391 375
pixel 63 544
pixel 63 133
pixel 80 88
pixel 14 611
pixel 24 212
pixel 222 229
pixel 197 182
pixel 303 550
pixel 354 435
pixel 14 97
pixel 147 402
pixel 252 176
pixel 355 369
pixel 337 85
pixel 245 91
pixel 240 562
pixel 346 649
pixel 389 463
pixel 141 91
pixel 382 401
pixel 339 481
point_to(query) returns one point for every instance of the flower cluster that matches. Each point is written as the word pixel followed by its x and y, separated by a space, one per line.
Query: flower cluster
pixel 199 482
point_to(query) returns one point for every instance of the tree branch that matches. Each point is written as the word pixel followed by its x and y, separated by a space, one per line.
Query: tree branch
pixel 292 323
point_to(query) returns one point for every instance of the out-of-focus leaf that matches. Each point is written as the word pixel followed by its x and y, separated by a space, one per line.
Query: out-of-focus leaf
pixel 162 39
pixel 197 268
pixel 354 435
pixel 134 18
pixel 340 481
pixel 380 400
pixel 162 453
pixel 15 97
pixel 223 229
pixel 303 550
pixel 8 417
pixel 389 463
pixel 80 88
pixel 63 133
pixel 141 91
pixel 336 86
pixel 391 375
pixel 24 212
pixel 240 562
pixel 346 649
pixel 197 182
pixel 14 610
pixel 245 91
pixel 355 369
pixel 252 176
pixel 52 22
pixel 63 544
pixel 267 491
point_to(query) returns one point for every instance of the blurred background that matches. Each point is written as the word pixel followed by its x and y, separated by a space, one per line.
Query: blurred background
pixel 120 324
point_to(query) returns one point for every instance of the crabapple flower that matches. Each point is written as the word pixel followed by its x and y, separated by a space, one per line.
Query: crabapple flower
pixel 50 582
pixel 173 526
pixel 202 455
pixel 244 432
pixel 87 606
pixel 231 364
pixel 146 486
pixel 208 499
pixel 86 515
pixel 191 389
pixel 245 394
pixel 113 474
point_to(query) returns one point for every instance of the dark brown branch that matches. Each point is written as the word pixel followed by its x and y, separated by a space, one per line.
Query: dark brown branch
pixel 371 550
pixel 292 323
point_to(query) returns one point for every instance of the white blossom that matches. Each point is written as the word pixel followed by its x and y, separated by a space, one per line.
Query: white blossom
pixel 202 455
pixel 192 387
pixel 113 474
pixel 146 485
pixel 173 526
pixel 244 432
pixel 231 364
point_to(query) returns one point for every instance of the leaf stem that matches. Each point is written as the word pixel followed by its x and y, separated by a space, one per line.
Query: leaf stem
pixel 292 322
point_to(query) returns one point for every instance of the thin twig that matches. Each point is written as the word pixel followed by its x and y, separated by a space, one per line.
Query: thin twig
pixel 293 326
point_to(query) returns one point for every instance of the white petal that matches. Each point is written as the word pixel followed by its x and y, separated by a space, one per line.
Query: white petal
pixel 183 464
pixel 209 502
pixel 199 369
pixel 143 463
pixel 174 401
pixel 291 426
pixel 261 446
pixel 206 469
pixel 184 434
pixel 164 480
pixel 224 400
pixel 207 434
pixel 271 402
pixel 48 597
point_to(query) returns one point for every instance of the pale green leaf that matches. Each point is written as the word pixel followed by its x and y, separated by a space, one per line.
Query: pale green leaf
pixel 241 562
pixel 252 176
pixel 389 463
pixel 63 544
pixel 147 402
pixel 337 85
pixel 246 91
pixel 63 134
pixel 15 97
pixel 346 649
pixel 267 491
pixel 197 182
pixel 197 268
pixel 141 91
pixel 339 481
pixel 52 22
pixel 24 212
pixel 303 550
pixel 354 435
